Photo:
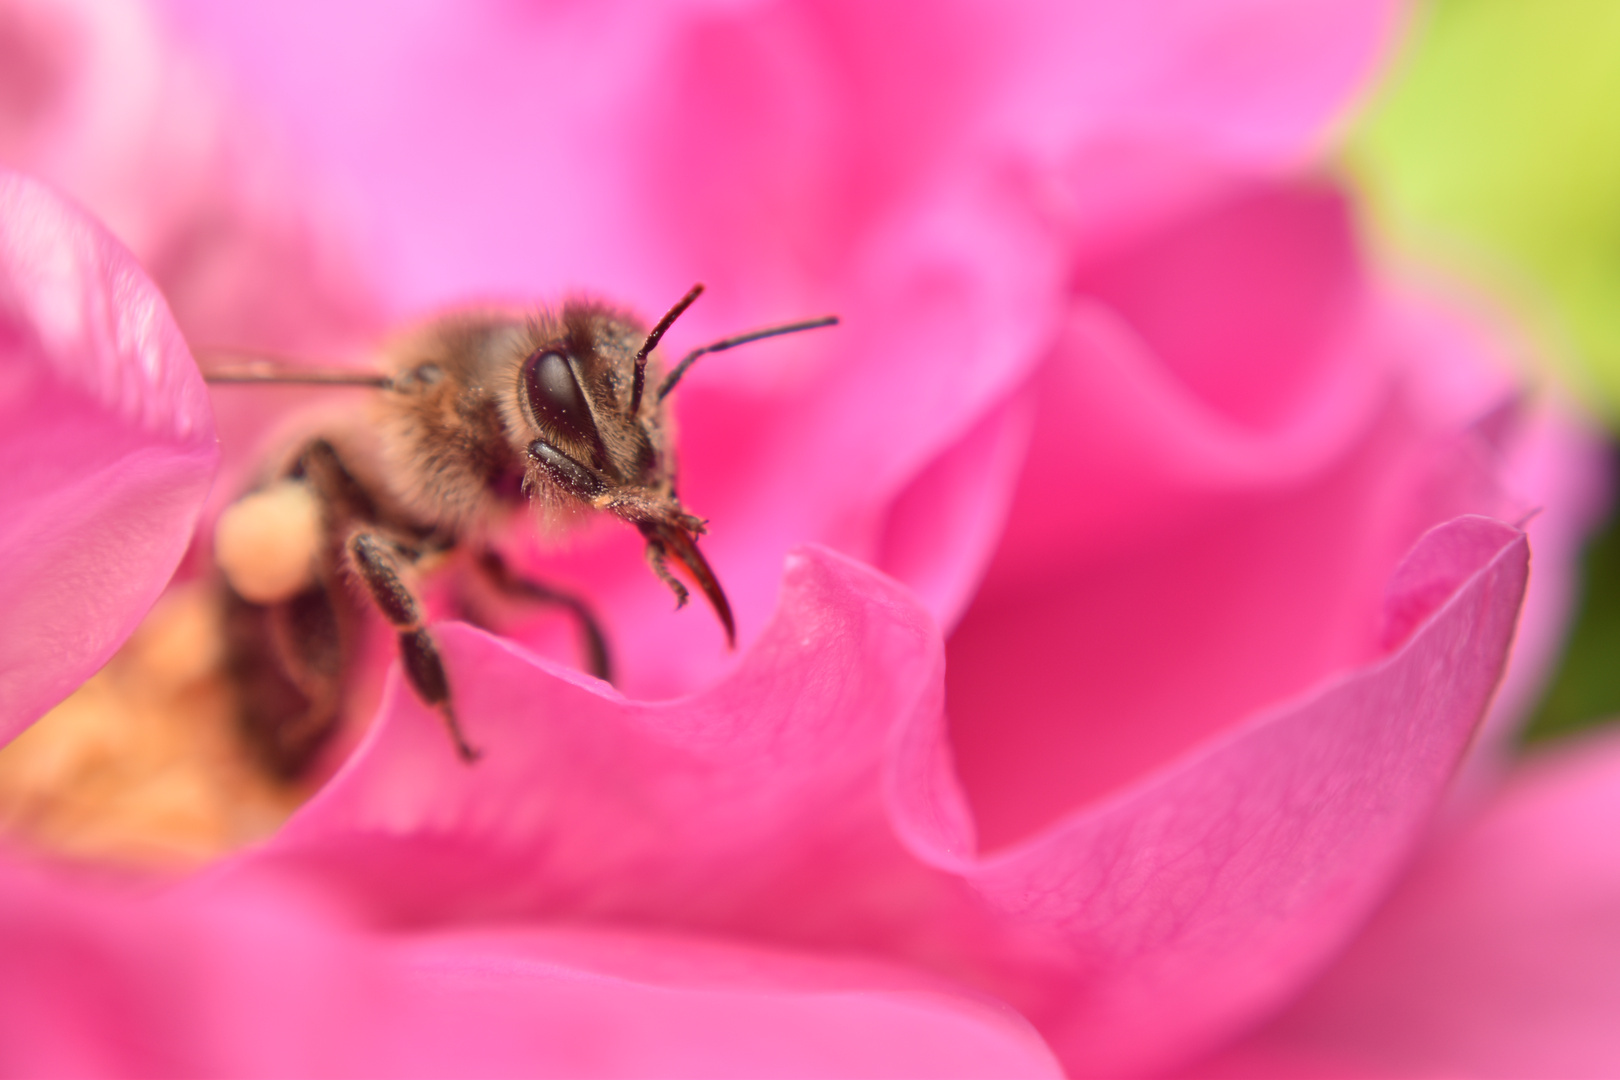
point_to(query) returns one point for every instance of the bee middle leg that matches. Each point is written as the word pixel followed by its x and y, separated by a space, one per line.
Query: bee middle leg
pixel 377 564
pixel 596 647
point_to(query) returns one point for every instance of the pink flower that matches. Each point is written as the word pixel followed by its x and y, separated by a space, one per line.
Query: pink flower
pixel 1207 541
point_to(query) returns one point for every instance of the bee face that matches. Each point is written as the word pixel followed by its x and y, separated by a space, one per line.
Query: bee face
pixel 574 389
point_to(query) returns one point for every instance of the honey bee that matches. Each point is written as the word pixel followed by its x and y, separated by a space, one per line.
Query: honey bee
pixel 476 414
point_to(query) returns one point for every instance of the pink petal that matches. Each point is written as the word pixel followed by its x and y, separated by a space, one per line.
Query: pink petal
pixel 942 529
pixel 1496 957
pixel 586 798
pixel 1201 895
pixel 261 984
pixel 808 799
pixel 113 112
pixel 1229 457
pixel 767 136
pixel 106 448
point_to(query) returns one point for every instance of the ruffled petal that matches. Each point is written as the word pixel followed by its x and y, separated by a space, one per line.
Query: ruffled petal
pixel 809 798
pixel 1230 454
pixel 583 797
pixel 106 448
pixel 1496 957
pixel 1200 896
pixel 262 984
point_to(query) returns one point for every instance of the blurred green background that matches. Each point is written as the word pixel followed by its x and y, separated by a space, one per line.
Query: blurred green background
pixel 1492 152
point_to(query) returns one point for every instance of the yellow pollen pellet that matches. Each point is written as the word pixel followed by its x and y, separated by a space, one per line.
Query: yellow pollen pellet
pixel 266 542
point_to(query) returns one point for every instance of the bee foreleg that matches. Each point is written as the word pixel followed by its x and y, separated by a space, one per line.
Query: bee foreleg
pixel 596 646
pixel 379 569
pixel 655 559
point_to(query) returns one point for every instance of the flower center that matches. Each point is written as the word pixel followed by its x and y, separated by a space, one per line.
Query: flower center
pixel 143 764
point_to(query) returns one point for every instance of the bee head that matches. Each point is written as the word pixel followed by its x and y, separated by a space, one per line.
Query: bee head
pixel 596 437
pixel 586 435
pixel 602 439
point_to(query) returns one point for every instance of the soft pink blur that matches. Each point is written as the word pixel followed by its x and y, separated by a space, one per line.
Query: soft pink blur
pixel 1119 587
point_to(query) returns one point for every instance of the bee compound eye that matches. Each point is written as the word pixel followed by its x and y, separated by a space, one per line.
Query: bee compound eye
pixel 556 399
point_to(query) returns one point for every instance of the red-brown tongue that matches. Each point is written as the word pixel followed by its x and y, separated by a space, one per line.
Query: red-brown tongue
pixel 680 545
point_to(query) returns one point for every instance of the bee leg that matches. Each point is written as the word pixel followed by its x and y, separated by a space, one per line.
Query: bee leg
pixel 596 646
pixel 655 559
pixel 286 661
pixel 345 497
pixel 378 569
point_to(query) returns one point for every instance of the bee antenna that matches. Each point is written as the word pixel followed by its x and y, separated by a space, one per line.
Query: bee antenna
pixel 741 339
pixel 258 368
pixel 652 341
